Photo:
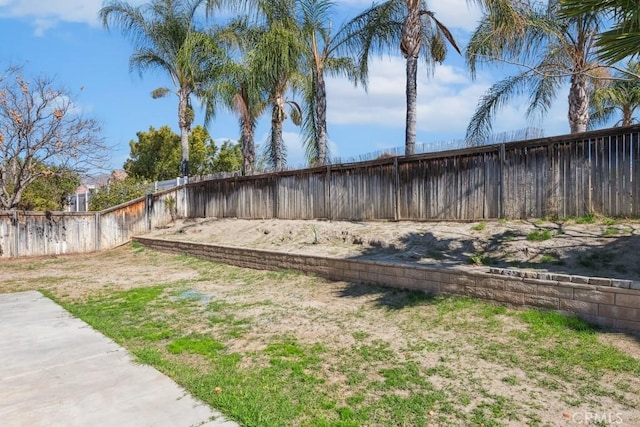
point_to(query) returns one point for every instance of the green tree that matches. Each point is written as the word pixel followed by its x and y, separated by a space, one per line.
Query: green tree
pixel 414 27
pixel 623 39
pixel 165 37
pixel 117 193
pixel 49 192
pixel 227 159
pixel 549 49
pixel 277 58
pixel 156 154
pixel 617 96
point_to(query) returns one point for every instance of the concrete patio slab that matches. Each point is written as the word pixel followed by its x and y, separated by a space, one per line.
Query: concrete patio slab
pixel 55 370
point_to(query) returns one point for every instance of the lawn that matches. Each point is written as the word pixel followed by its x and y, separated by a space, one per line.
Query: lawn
pixel 279 348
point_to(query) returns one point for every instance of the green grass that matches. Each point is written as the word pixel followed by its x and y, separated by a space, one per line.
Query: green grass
pixel 611 231
pixel 539 235
pixel 479 226
pixel 390 357
pixel 588 218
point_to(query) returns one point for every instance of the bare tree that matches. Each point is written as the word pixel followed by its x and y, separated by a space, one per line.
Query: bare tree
pixel 41 125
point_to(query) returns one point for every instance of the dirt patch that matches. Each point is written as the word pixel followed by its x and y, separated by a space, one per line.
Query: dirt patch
pixel 601 247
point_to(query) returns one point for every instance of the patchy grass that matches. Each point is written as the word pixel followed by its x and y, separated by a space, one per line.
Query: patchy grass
pixel 278 348
pixel 539 235
pixel 479 226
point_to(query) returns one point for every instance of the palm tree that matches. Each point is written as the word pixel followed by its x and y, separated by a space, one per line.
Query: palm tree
pixel 550 50
pixel 164 36
pixel 277 62
pixel 326 53
pixel 411 24
pixel 621 41
pixel 620 95
pixel 237 88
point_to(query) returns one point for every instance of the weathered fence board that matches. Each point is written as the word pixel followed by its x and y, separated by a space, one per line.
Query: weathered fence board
pixel 57 233
pixel 563 176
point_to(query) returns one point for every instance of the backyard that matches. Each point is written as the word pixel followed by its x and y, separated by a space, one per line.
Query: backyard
pixel 279 348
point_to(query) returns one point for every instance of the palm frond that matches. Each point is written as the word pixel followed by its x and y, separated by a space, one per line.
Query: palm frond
pixel 497 96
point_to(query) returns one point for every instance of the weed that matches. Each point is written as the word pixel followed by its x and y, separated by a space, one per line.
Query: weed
pixel 611 231
pixel 481 259
pixel 479 226
pixel 511 380
pixel 588 218
pixel 539 235
pixel 550 258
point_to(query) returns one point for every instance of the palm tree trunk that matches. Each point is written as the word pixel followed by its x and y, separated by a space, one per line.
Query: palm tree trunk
pixel 627 116
pixel 410 48
pixel 184 121
pixel 321 113
pixel 277 142
pixel 412 95
pixel 247 130
pixel 578 103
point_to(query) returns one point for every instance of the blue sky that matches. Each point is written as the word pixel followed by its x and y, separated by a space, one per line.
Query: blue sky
pixel 65 40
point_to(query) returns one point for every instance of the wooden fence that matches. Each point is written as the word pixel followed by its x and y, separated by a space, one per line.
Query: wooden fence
pixel 563 176
pixel 56 233
pixel 571 175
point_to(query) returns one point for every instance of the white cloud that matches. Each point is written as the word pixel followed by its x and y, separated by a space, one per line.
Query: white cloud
pixel 452 13
pixel 446 102
pixel 46 14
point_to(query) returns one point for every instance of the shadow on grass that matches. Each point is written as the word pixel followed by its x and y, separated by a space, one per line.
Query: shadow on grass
pixel 386 297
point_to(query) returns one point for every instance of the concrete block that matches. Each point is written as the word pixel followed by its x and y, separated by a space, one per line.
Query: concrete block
pixel 616 312
pixel 522 287
pixel 415 273
pixel 510 297
pixel 622 284
pixel 453 288
pixel 492 283
pixel 555 291
pixel 462 279
pixel 626 300
pixel 594 296
pixel 578 306
pixel 580 279
pixel 541 301
pixel 561 277
pixel 627 325
pixel 599 281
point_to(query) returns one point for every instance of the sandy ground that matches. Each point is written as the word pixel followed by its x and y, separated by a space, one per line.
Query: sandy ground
pixel 604 248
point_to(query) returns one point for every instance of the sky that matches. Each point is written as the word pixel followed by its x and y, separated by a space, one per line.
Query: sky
pixel 66 41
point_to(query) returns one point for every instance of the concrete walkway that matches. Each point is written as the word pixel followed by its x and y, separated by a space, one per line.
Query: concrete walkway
pixel 55 370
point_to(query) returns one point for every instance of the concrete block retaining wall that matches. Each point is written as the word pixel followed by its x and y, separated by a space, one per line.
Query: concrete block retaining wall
pixel 609 303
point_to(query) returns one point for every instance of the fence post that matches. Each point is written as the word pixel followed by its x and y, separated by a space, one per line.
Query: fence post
pixel 98 233
pixel 396 189
pixel 501 196
pixel 148 203
pixel 16 235
pixel 327 193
